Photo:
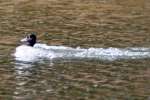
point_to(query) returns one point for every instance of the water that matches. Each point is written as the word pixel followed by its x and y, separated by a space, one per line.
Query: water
pixel 41 51
pixel 102 24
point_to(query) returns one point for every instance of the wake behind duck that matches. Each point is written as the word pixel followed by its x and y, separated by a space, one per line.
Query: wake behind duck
pixel 32 51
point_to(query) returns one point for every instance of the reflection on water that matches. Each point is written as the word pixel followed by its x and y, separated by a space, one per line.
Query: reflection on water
pixel 30 81
pixel 83 23
pixel 82 79
pixel 22 71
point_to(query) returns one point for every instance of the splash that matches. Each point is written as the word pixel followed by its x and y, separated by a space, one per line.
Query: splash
pixel 42 51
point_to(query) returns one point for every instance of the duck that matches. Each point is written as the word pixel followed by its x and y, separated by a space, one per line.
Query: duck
pixel 28 51
pixel 32 51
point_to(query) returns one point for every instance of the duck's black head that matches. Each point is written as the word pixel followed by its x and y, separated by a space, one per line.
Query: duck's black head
pixel 30 40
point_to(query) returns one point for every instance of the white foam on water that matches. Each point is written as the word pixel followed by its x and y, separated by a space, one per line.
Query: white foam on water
pixel 41 51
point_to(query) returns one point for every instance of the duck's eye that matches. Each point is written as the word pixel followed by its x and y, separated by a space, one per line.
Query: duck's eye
pixel 27 36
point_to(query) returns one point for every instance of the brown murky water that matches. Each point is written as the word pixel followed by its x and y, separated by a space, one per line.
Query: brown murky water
pixel 84 23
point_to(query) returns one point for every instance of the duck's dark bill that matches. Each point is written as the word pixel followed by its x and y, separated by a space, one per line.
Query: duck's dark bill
pixel 24 39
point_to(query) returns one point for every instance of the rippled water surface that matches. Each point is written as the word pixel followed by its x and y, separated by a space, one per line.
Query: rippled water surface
pixel 75 23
